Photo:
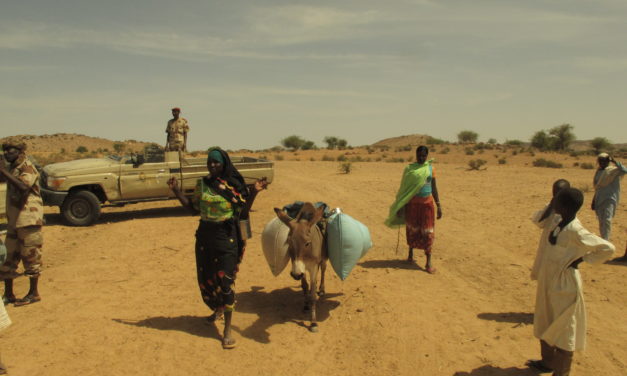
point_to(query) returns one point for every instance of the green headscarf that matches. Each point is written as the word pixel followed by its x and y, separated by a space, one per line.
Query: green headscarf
pixel 216 156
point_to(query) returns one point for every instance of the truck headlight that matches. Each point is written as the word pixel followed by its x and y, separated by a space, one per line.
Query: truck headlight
pixel 54 182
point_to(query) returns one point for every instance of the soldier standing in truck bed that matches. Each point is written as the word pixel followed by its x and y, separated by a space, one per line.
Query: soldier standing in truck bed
pixel 177 132
pixel 25 214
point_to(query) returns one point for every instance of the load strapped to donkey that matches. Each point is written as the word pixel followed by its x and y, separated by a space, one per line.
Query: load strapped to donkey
pixel 346 239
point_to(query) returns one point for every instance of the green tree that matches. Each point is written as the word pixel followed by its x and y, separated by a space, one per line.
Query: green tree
pixel 467 136
pixel 600 144
pixel 308 145
pixel 562 136
pixel 492 141
pixel 342 143
pixel 292 142
pixel 542 141
pixel 331 142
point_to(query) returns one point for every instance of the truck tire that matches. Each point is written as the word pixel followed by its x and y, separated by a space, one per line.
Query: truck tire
pixel 81 208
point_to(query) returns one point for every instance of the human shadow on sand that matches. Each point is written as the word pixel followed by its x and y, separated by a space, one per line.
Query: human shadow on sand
pixel 392 264
pixel 194 325
pixel 279 307
pixel 127 215
pixel 489 370
pixel 513 317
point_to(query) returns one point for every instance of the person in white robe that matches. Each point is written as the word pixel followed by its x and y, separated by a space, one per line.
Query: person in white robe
pixel 5 321
pixel 606 183
pixel 560 317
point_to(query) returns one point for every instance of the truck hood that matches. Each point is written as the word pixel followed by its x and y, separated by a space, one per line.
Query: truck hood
pixel 80 166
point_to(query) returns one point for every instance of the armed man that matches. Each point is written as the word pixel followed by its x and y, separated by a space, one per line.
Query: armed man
pixel 177 132
pixel 25 214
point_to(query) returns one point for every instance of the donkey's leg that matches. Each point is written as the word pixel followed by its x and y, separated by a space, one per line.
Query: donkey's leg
pixel 323 268
pixel 305 286
pixel 312 293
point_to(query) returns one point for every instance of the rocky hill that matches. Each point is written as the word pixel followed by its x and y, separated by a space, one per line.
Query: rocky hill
pixel 71 142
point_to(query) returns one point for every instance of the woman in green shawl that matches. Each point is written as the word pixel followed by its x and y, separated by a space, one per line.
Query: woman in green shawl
pixel 415 206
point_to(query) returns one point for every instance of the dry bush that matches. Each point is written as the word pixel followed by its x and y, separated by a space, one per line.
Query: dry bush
pixel 345 167
pixel 475 164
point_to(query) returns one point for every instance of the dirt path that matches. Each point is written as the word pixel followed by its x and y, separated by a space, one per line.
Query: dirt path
pixel 120 298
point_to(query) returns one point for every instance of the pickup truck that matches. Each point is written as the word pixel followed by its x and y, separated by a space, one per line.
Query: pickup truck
pixel 81 187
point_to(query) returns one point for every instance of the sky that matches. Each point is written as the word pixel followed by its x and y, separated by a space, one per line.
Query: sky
pixel 247 74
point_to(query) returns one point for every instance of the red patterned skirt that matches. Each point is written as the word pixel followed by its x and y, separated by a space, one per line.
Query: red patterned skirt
pixel 420 223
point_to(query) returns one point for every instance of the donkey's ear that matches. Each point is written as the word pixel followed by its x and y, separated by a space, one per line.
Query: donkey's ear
pixel 318 214
pixel 283 216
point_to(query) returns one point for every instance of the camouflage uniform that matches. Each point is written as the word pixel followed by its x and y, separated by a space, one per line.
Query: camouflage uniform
pixel 25 219
pixel 176 130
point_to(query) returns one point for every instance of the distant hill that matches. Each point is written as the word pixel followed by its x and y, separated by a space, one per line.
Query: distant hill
pixel 393 142
pixel 70 142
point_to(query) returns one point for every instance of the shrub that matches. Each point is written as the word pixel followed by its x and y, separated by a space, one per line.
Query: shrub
pixel 278 157
pixel 492 141
pixel 469 151
pixel 118 147
pixel 341 158
pixel 475 164
pixel 502 161
pixel 576 164
pixel 434 141
pixel 395 160
pixel 541 162
pixel 312 159
pixel 356 158
pixel 81 149
pixel 467 136
pixel 404 148
pixel 587 166
pixel 327 158
pixel 513 143
pixel 445 150
pixel 346 167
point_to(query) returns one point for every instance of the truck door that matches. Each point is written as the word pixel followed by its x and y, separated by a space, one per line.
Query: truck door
pixel 144 181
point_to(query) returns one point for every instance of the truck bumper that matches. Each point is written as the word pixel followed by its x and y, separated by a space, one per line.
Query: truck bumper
pixel 53 198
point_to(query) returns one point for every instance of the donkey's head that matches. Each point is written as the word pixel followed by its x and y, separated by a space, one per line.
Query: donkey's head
pixel 304 238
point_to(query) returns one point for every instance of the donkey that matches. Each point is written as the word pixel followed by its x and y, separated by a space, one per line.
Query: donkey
pixel 308 252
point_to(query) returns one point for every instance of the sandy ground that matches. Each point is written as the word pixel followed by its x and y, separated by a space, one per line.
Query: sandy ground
pixel 120 297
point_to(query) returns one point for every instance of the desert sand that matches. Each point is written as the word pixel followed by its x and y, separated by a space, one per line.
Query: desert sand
pixel 120 297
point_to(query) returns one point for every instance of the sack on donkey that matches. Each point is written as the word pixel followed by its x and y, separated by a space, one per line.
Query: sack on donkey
pixel 274 245
pixel 348 240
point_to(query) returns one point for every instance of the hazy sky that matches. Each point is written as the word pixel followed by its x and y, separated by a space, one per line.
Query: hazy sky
pixel 249 73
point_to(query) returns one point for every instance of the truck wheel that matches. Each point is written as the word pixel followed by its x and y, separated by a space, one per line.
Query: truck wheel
pixel 81 208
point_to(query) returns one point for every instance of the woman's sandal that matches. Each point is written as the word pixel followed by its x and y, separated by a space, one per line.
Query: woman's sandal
pixel 227 346
pixel 28 299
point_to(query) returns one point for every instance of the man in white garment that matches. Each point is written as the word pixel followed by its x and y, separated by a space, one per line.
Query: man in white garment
pixel 560 317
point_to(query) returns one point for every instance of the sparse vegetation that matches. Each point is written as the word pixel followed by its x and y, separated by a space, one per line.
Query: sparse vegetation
pixel 434 141
pixel 587 166
pixel 476 164
pixel 81 149
pixel 541 162
pixel 467 137
pixel 278 157
pixel 502 161
pixel 327 158
pixel 600 144
pixel 346 167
